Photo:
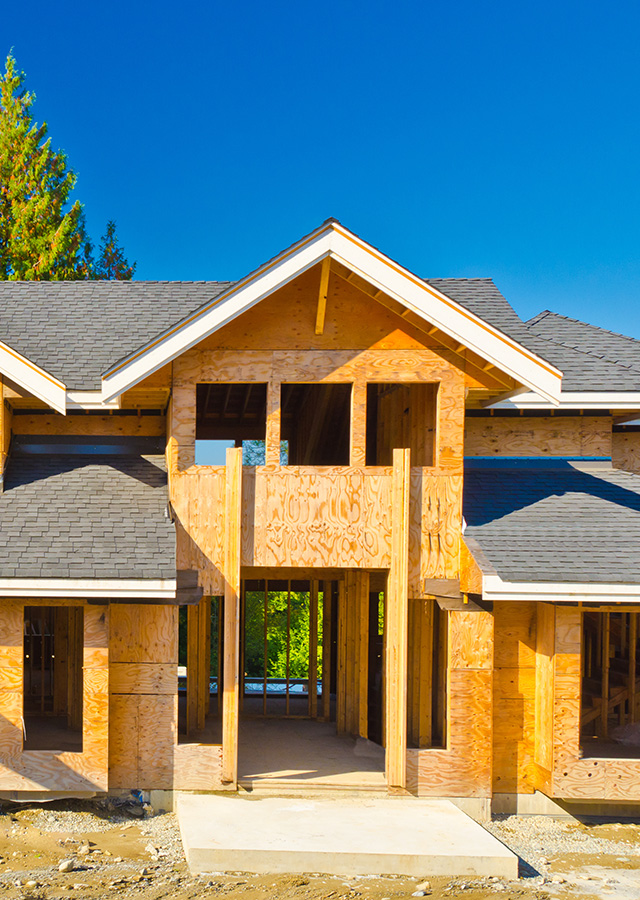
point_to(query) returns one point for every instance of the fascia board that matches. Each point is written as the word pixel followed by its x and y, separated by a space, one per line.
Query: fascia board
pixel 33 379
pixel 494 588
pixel 409 290
pixel 423 299
pixel 220 312
pixel 89 400
pixel 574 400
pixel 149 589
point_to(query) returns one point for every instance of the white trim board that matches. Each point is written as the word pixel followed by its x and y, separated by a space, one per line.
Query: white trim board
pixel 494 588
pixel 90 400
pixel 573 400
pixel 115 588
pixel 332 240
pixel 33 379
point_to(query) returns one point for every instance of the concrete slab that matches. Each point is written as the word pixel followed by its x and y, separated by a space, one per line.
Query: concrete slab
pixel 390 836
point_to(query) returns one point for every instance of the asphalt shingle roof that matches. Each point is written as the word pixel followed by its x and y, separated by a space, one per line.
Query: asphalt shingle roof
pixel 552 520
pixel 584 363
pixel 68 516
pixel 618 349
pixel 76 330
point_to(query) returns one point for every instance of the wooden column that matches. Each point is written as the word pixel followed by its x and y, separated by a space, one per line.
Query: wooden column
pixel 397 614
pixel 357 449
pixel 313 650
pixel 232 549
pixel 326 650
pixel 272 442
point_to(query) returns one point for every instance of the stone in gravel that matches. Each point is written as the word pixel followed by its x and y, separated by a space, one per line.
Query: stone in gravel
pixel 419 894
pixel 558 880
pixel 84 849
pixel 424 886
pixel 137 812
pixel 117 859
pixel 31 884
pixel 67 865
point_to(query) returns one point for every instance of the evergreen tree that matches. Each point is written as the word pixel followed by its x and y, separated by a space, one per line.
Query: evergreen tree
pixel 38 239
pixel 112 263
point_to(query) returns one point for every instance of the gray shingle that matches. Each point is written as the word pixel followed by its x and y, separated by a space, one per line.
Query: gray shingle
pixel 583 370
pixel 76 330
pixel 67 516
pixel 551 520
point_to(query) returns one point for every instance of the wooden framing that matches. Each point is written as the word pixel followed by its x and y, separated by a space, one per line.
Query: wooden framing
pixel 230 696
pixel 397 620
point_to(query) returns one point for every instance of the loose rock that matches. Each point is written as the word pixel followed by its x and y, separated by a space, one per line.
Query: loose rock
pixel 67 865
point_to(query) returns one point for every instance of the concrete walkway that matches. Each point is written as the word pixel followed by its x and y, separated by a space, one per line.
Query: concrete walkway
pixel 386 836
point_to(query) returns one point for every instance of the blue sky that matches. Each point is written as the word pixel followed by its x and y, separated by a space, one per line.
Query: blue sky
pixel 462 138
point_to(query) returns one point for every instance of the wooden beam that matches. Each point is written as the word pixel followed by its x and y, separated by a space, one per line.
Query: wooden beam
pixel 232 550
pixel 357 449
pixel 322 295
pixel 466 360
pixel 397 615
pixel 313 650
pixel 272 442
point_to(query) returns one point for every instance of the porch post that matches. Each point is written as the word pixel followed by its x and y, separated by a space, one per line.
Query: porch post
pixel 397 619
pixel 232 549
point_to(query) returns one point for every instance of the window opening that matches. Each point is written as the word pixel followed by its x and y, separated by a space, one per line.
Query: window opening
pixel 231 415
pixel 401 415
pixel 283 651
pixel 610 713
pixel 200 660
pixel 427 675
pixel 315 423
pixel 53 677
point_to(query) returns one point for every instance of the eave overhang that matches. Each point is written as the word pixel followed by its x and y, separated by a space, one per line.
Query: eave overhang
pixel 33 379
pixel 87 588
pixel 621 400
pixel 495 589
pixel 335 242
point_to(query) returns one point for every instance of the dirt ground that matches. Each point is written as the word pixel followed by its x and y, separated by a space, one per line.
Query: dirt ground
pixel 123 850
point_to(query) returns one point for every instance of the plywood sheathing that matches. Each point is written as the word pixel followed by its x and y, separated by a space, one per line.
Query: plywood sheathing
pixel 50 770
pixel 278 529
pixel 464 768
pixel 626 450
pixel 143 696
pixel 514 697
pixel 123 426
pixel 536 436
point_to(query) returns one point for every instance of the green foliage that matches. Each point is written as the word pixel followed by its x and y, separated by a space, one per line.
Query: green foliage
pixel 112 264
pixel 40 238
pixel 277 635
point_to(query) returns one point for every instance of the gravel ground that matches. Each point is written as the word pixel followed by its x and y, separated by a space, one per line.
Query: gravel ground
pixel 120 848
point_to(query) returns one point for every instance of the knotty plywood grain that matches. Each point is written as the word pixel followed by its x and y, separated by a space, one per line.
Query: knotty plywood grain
pixel 626 450
pixel 533 436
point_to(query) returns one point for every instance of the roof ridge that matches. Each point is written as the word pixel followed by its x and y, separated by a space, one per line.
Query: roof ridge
pixel 549 312
pixel 610 362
